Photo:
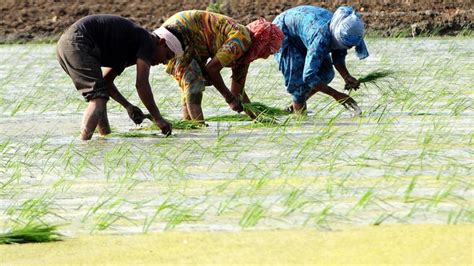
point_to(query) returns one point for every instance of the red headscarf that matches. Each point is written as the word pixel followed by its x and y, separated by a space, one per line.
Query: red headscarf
pixel 265 36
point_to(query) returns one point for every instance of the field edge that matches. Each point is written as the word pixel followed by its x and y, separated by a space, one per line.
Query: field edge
pixel 413 244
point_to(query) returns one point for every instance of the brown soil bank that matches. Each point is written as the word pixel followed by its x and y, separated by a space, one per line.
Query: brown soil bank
pixel 46 19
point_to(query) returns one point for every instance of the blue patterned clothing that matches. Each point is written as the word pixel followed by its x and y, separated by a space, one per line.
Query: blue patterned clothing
pixel 306 58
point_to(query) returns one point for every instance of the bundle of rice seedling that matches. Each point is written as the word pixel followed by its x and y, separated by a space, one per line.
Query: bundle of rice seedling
pixel 373 77
pixel 263 113
pixel 134 134
pixel 186 124
pixel 31 233
pixel 176 124
pixel 260 108
pixel 229 118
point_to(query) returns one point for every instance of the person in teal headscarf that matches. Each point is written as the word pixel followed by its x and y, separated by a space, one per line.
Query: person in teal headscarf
pixel 315 40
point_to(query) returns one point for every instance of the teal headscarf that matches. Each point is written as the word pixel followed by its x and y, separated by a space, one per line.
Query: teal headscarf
pixel 347 30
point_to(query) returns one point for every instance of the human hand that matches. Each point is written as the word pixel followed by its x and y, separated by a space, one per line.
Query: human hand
pixel 349 104
pixel 165 127
pixel 351 83
pixel 135 114
pixel 299 108
pixel 235 104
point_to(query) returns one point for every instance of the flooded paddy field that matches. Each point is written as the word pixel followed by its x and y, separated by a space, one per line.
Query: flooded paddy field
pixel 407 160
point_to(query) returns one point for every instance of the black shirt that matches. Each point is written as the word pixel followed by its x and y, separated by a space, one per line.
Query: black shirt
pixel 120 40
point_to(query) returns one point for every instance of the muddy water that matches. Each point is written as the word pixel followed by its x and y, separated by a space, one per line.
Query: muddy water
pixel 406 160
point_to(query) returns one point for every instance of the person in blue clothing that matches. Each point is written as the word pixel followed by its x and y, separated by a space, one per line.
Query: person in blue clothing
pixel 315 40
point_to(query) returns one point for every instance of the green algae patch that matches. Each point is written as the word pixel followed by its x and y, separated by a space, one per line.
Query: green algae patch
pixel 393 244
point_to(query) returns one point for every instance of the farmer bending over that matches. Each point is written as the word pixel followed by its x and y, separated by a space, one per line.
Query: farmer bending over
pixel 315 40
pixel 95 50
pixel 205 35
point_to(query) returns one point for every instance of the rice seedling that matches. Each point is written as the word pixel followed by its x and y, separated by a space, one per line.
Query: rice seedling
pixel 106 220
pixel 294 201
pixel 407 160
pixel 410 188
pixel 263 113
pixel 441 195
pixel 33 209
pixel 252 215
pixel 109 200
pixel 382 219
pixel 455 216
pixel 229 118
pixel 228 203
pixel 176 124
pixel 258 108
pixel 174 214
pixel 31 233
pixel 459 106
pixel 186 125
pixel 135 134
pixel 375 75
pixel 373 78
pixel 259 182
pixel 364 200
pixel 320 219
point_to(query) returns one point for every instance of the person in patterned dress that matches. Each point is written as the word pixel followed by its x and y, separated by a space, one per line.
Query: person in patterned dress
pixel 210 42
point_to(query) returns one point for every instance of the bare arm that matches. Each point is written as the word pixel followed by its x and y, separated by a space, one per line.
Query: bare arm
pixel 350 81
pixel 239 76
pixel 146 96
pixel 213 69
pixel 341 97
pixel 133 111
pixel 321 87
pixel 109 75
pixel 342 69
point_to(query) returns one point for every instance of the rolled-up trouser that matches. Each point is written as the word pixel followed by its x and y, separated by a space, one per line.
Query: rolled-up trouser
pixel 190 78
pixel 292 62
pixel 79 57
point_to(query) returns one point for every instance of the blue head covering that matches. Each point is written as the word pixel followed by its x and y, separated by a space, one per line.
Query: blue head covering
pixel 347 30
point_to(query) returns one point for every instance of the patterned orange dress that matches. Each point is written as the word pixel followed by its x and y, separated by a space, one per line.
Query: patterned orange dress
pixel 205 35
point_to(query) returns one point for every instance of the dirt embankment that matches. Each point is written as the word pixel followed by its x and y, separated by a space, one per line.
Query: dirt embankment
pixel 46 19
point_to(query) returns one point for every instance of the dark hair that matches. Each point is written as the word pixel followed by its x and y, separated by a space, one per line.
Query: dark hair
pixel 177 34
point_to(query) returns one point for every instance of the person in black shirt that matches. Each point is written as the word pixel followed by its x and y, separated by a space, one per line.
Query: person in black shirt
pixel 95 50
